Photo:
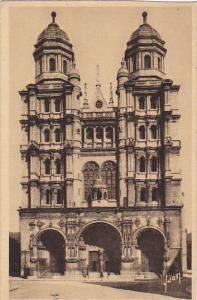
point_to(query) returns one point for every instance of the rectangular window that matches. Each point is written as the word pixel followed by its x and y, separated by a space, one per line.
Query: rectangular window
pixel 46 105
pixel 57 105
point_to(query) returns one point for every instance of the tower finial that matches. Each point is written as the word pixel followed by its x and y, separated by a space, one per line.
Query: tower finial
pixel 53 15
pixel 144 15
pixel 122 62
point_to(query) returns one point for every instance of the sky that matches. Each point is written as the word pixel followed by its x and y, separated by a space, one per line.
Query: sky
pixel 99 36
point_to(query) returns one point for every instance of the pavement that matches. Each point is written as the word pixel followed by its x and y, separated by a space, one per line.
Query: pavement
pixel 72 290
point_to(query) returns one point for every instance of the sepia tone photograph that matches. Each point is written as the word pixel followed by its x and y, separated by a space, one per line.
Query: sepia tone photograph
pixel 100 139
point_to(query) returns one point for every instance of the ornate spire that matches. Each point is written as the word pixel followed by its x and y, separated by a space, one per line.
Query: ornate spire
pixel 144 15
pixel 98 76
pixel 111 101
pixel 85 101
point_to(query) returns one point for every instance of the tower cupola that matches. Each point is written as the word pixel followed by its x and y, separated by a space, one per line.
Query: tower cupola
pixel 145 52
pixel 53 54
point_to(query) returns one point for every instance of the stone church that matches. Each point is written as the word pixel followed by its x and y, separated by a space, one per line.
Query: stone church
pixel 101 181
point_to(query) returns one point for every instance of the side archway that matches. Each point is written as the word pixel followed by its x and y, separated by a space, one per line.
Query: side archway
pixel 150 246
pixel 50 251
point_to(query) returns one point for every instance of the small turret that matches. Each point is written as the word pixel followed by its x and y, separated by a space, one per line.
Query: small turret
pixel 123 73
pixel 73 76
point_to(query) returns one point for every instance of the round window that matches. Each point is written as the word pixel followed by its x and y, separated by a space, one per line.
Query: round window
pixel 99 103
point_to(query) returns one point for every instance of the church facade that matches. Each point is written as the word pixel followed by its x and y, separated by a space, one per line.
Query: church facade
pixel 101 181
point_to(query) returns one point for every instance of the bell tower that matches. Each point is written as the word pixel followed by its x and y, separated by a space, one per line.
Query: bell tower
pixel 149 142
pixel 51 124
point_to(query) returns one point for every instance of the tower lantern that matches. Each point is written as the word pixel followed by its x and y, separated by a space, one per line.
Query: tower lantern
pixel 53 54
pixel 145 52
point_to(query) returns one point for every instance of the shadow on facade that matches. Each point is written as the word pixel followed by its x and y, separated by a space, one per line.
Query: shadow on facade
pixel 14 254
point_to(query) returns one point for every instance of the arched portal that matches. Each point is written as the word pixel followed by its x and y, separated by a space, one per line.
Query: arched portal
pixel 151 244
pixel 51 252
pixel 103 248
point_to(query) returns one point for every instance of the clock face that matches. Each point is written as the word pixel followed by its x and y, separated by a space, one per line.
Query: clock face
pixel 99 103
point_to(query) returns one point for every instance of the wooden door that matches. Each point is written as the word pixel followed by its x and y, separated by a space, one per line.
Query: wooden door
pixel 145 262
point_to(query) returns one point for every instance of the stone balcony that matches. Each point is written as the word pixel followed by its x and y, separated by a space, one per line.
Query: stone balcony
pixel 147 143
pixel 147 112
pixel 51 115
pixel 99 145
pixel 52 177
pixel 147 175
pixel 147 203
pixel 98 115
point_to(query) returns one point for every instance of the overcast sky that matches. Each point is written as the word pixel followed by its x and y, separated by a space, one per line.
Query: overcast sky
pixel 99 36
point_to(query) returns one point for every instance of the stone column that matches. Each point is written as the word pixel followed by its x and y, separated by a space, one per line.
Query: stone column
pixel 127 252
pixel 71 258
pixel 149 198
pixel 94 137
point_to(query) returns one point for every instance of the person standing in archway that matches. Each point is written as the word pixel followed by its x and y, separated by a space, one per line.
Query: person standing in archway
pixel 101 263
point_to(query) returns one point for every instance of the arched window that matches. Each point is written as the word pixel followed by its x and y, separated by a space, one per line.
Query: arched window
pixel 134 63
pixel 108 175
pixel 154 164
pixel 142 167
pixel 89 133
pixel 48 197
pixel 59 197
pixel 143 194
pixel 64 66
pixel 142 103
pixel 46 105
pixel 142 132
pixel 52 64
pixel 159 63
pixel 47 166
pixel 99 195
pixel 153 132
pixel 90 173
pixel 109 133
pixel 58 166
pixel 57 135
pixel 57 104
pixel 99 133
pixel 82 136
pixel 154 194
pixel 47 135
pixel 40 65
pixel 153 102
pixel 147 62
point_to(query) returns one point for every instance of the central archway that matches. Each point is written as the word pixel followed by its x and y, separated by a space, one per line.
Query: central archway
pixel 101 237
pixel 51 252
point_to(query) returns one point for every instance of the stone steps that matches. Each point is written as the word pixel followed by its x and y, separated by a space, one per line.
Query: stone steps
pixel 95 276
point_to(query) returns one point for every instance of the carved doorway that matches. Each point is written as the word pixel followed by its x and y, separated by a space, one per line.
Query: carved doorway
pixel 100 235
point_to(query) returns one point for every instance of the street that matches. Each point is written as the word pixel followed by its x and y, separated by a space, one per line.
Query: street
pixel 70 290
